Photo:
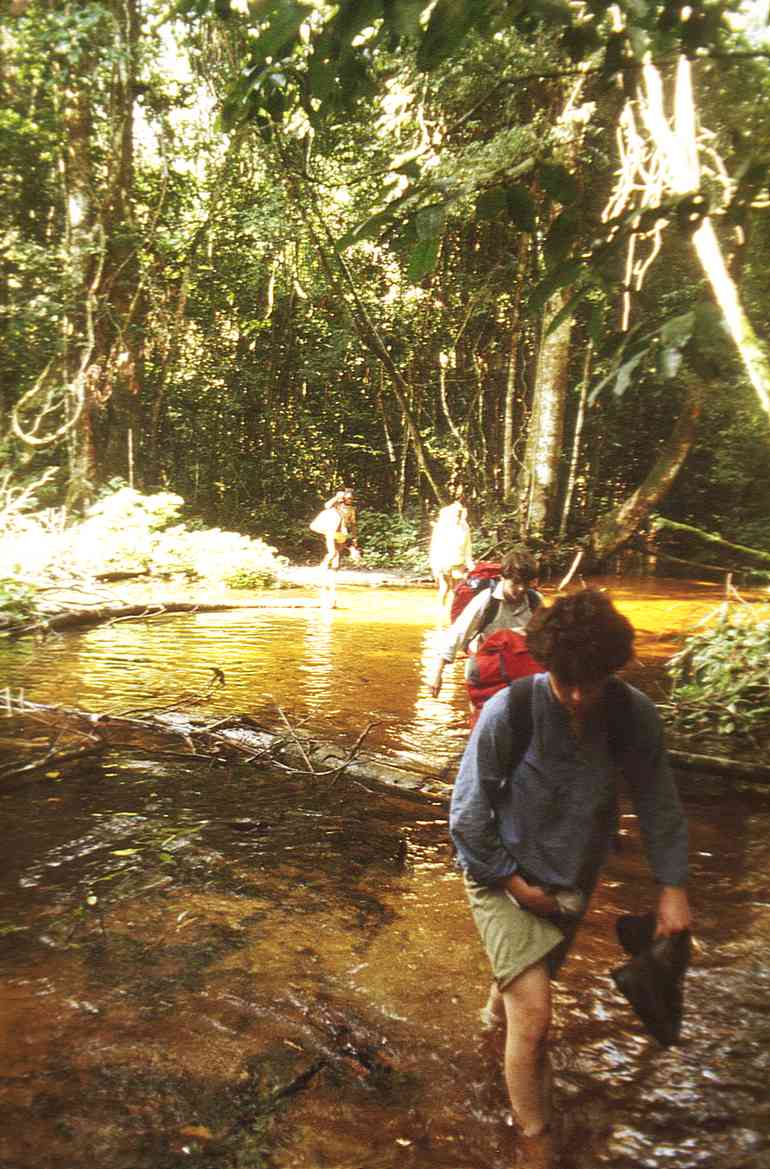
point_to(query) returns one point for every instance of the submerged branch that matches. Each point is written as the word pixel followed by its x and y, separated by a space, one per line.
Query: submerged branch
pixel 239 740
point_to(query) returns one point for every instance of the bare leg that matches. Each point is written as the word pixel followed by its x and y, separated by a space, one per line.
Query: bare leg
pixel 329 566
pixel 332 553
pixel 527 1002
pixel 493 1012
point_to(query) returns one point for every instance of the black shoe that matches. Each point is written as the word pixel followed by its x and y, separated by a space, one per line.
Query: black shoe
pixel 652 980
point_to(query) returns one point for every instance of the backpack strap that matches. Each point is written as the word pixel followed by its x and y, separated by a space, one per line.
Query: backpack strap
pixel 620 718
pixel 619 712
pixel 521 724
pixel 491 609
pixel 534 598
pixel 520 718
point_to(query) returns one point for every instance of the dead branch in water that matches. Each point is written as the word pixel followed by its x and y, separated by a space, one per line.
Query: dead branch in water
pixel 171 733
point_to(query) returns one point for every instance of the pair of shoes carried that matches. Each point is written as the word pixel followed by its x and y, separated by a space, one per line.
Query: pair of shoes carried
pixel 652 980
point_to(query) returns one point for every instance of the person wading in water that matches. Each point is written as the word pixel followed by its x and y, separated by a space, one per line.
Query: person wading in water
pixel 509 605
pixel 451 556
pixel 532 824
pixel 338 524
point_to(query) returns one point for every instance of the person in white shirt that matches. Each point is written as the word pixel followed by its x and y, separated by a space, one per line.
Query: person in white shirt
pixel 451 556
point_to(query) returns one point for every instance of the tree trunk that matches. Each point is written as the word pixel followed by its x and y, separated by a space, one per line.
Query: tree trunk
pixel 616 527
pixel 119 337
pixel 576 437
pixel 82 240
pixel 540 476
pixel 511 373
pixel 711 538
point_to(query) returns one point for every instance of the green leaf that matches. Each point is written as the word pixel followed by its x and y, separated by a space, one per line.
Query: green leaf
pixel 402 17
pixel 322 77
pixel 669 361
pixel 621 376
pixel 678 330
pixel 491 203
pixel 423 259
pixel 192 7
pixel 521 207
pixel 616 54
pixel 563 276
pixel 429 221
pixel 562 234
pixel 282 27
pixel 580 40
pixel 353 17
pixel 708 317
pixel 354 79
pixel 449 24
pixel 550 11
pixel 369 229
pixel 125 852
pixel 567 310
pixel 557 182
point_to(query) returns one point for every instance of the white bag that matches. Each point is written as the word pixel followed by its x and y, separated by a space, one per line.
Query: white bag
pixel 326 522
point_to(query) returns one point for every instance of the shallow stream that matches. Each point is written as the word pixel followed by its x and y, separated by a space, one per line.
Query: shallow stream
pixel 234 968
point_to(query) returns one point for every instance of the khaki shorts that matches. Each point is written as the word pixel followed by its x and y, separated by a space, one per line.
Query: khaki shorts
pixel 514 938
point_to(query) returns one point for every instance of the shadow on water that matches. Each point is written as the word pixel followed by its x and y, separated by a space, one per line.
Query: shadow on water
pixel 236 969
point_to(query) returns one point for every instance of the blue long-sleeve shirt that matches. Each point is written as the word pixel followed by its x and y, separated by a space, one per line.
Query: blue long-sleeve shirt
pixel 556 818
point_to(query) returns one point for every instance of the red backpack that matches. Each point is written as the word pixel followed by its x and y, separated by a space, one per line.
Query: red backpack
pixel 485 575
pixel 500 659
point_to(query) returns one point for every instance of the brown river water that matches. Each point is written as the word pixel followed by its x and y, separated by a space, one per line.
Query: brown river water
pixel 238 969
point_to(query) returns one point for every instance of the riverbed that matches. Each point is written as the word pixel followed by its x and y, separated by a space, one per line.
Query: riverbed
pixel 229 967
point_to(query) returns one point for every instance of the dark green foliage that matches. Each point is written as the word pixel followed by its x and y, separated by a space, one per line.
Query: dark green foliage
pixel 721 679
pixel 18 602
pixel 256 391
pixel 392 541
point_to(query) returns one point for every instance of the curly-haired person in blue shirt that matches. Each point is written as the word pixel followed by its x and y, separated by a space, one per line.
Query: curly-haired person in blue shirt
pixel 532 833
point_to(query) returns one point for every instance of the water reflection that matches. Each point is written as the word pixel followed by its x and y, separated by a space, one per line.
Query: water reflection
pixel 318 658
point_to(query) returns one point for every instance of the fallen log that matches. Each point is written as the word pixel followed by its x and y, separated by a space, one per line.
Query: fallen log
pixel 716 765
pixel 710 538
pixel 239 739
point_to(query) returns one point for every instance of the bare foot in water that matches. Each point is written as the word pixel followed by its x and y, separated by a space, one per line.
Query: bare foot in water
pixel 536 1152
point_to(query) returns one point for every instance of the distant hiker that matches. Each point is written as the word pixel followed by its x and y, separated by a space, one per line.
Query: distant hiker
pixel 338 524
pixel 534 810
pixel 349 521
pixel 450 548
pixel 508 605
pixel 328 523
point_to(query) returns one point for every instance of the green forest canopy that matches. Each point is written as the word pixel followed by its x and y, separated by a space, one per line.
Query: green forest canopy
pixel 257 250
